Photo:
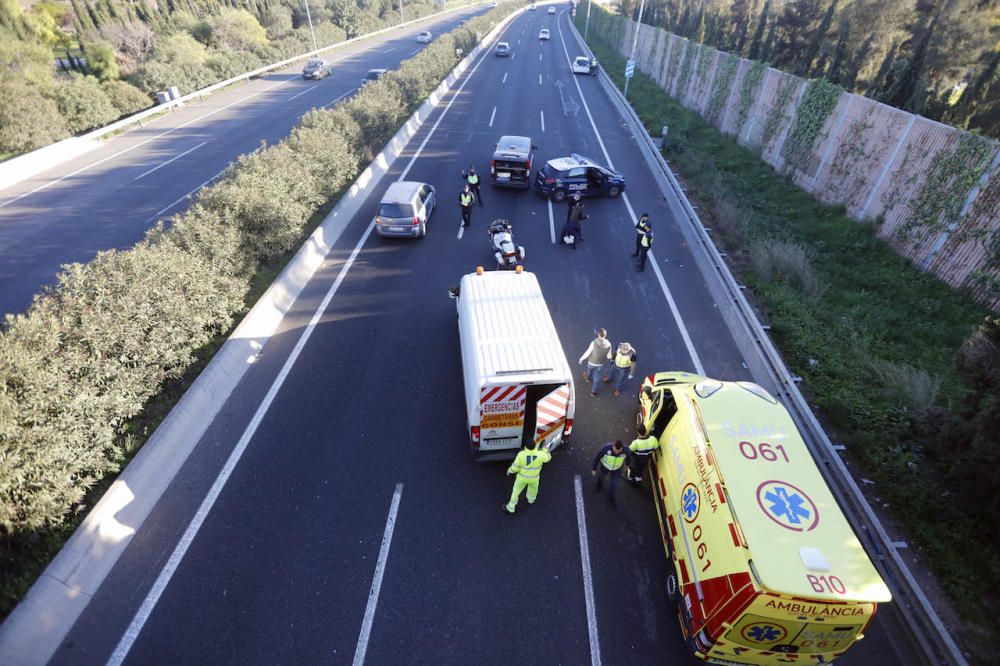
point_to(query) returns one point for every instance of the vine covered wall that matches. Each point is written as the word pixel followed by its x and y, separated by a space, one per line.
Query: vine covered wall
pixel 932 190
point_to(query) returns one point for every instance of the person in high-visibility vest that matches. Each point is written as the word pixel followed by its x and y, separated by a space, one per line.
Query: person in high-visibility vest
pixel 608 462
pixel 638 454
pixel 527 466
pixel 645 243
pixel 473 180
pixel 465 201
pixel 641 226
pixel 623 367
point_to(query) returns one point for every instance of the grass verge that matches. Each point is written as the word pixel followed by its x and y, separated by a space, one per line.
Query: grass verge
pixel 874 338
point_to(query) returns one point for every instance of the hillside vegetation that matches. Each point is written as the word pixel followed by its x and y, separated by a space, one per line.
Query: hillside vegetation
pixel 937 58
pixel 114 55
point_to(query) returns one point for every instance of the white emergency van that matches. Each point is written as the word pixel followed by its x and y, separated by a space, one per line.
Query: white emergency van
pixel 518 384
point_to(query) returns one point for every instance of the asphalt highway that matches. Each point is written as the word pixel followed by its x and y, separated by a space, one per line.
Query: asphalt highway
pixel 354 526
pixel 109 197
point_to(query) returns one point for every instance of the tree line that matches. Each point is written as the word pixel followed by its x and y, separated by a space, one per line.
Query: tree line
pixel 68 66
pixel 937 58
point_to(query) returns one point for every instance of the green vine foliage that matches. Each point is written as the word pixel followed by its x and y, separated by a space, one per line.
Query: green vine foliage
pixel 816 106
pixel 676 55
pixel 777 113
pixel 691 50
pixel 952 175
pixel 705 56
pixel 748 91
pixel 722 86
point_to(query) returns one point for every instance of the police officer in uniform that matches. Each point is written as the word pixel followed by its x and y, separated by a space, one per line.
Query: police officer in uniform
pixel 473 180
pixel 623 367
pixel 641 225
pixel 638 454
pixel 465 201
pixel 609 461
pixel 527 466
pixel 645 243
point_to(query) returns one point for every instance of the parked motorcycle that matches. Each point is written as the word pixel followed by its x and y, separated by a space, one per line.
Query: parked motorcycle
pixel 507 255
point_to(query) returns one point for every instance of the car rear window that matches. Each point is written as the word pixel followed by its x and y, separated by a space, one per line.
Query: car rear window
pixel 395 210
pixel 548 170
pixel 511 164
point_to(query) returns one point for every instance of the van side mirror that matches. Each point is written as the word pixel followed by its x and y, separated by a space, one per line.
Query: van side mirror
pixel 534 146
pixel 648 392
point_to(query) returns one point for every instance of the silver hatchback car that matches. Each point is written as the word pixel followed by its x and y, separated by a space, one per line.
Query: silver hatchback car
pixel 405 208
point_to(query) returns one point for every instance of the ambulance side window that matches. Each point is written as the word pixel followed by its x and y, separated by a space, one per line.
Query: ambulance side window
pixel 667 412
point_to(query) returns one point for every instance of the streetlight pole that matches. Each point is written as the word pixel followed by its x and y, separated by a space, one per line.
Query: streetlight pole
pixel 586 24
pixel 401 21
pixel 635 42
pixel 309 18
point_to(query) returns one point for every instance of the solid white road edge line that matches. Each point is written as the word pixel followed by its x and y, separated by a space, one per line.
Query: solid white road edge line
pixel 303 92
pixel 156 168
pixel 588 581
pixel 163 579
pixel 493 115
pixel 383 555
pixel 542 114
pixel 692 352
pixel 552 224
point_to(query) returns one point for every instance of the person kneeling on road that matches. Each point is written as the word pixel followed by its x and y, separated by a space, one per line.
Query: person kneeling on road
pixel 638 454
pixel 527 466
pixel 609 461
pixel 570 234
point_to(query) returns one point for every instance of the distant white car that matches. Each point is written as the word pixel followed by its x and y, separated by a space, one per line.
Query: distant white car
pixel 581 65
pixel 424 38
pixel 543 33
pixel 552 10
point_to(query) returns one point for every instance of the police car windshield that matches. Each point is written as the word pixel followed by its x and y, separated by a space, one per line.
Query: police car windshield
pixel 395 210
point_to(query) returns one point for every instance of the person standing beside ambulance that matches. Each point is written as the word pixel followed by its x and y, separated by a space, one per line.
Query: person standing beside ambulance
pixel 527 466
pixel 609 461
pixel 597 355
pixel 623 368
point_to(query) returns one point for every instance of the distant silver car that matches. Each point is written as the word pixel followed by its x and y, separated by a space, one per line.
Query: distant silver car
pixel 552 10
pixel 404 209
pixel 316 69
pixel 424 37
pixel 372 75
pixel 543 33
pixel 502 49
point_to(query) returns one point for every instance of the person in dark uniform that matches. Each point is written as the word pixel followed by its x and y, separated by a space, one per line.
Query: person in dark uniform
pixel 465 200
pixel 645 243
pixel 641 225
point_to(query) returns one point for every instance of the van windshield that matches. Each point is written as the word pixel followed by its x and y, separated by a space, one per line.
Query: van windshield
pixel 395 210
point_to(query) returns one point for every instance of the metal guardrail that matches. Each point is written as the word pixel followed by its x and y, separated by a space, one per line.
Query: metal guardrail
pixel 923 624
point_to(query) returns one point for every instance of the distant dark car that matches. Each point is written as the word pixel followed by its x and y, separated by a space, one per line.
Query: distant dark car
pixel 316 69
pixel 565 176
pixel 511 163
pixel 502 50
pixel 373 75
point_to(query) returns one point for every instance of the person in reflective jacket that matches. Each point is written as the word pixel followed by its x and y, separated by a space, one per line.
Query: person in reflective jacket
pixel 465 200
pixel 638 454
pixel 473 180
pixel 527 466
pixel 609 461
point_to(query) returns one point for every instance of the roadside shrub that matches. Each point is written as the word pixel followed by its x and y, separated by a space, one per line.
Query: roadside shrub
pixel 906 386
pixel 277 21
pixel 101 61
pixel 188 77
pixel 84 104
pixel 378 111
pixel 126 98
pixel 776 259
pixel 237 30
pixel 27 119
pixel 227 64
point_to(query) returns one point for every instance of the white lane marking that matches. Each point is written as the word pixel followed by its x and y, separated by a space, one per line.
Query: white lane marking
pixel 539 79
pixel 163 579
pixel 512 55
pixel 588 581
pixel 504 78
pixel 519 41
pixel 383 555
pixel 413 53
pixel 339 98
pixel 141 143
pixel 182 198
pixel 191 150
pixel 542 114
pixel 539 56
pixel 461 231
pixel 493 115
pixel 552 224
pixel 303 92
pixel 692 352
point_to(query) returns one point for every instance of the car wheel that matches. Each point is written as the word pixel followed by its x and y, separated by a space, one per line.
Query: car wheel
pixel 614 191
pixel 423 228
pixel 559 196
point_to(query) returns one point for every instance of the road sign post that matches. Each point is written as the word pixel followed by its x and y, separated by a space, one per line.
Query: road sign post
pixel 629 73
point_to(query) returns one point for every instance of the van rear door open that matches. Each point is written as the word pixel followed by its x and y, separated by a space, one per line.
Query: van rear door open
pixel 518 384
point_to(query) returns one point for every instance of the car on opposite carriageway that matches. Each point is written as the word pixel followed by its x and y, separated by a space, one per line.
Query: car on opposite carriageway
pixel 576 174
pixel 316 69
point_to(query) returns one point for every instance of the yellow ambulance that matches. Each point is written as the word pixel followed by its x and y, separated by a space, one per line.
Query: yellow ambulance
pixel 766 568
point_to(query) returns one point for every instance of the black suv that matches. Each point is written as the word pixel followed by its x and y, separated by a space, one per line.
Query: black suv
pixel 563 176
pixel 511 164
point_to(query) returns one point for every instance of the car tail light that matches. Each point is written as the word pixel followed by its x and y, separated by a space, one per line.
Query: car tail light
pixel 474 432
pixel 568 428
pixel 493 168
pixel 416 220
pixel 550 181
pixel 378 220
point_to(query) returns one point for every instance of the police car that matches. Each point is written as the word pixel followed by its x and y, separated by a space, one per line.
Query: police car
pixel 564 176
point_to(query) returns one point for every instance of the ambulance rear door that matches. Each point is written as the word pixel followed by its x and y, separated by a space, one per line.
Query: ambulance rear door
pixel 501 417
pixel 548 408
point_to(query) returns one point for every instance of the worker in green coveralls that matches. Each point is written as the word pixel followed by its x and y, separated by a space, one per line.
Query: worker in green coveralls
pixel 527 466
